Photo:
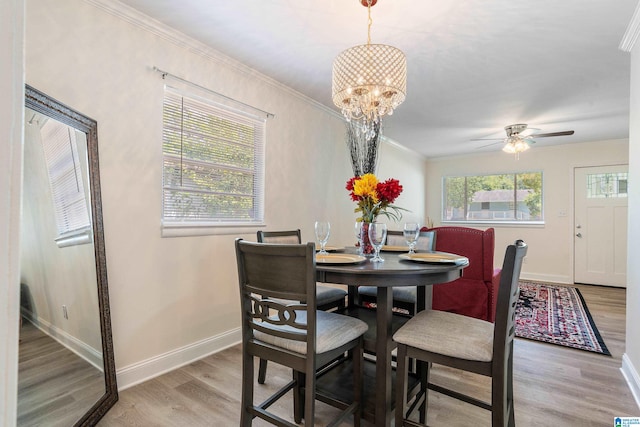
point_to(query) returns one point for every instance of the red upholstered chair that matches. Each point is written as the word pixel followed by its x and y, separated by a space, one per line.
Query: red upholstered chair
pixel 476 292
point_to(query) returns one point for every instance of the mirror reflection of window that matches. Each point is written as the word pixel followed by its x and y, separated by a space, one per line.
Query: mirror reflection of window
pixel 63 156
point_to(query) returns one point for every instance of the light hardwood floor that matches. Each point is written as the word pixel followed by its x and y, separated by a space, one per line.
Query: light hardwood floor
pixel 55 386
pixel 554 386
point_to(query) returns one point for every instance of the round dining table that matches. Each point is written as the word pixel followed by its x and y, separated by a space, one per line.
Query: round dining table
pixel 393 272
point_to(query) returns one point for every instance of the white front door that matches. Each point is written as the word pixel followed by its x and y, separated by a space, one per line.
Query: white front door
pixel 600 221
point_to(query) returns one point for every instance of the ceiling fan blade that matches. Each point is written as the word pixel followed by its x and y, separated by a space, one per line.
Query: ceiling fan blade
pixel 487 139
pixel 528 131
pixel 488 145
pixel 545 135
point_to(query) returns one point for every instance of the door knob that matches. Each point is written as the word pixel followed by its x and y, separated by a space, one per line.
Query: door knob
pixel 579 235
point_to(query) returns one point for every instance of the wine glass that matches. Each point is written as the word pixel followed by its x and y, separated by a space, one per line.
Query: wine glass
pixel 323 229
pixel 411 234
pixel 358 230
pixel 377 236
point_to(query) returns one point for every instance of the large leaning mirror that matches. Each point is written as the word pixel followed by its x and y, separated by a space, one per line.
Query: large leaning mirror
pixel 66 373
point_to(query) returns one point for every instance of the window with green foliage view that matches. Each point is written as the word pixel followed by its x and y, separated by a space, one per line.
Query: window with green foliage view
pixel 213 163
pixel 493 198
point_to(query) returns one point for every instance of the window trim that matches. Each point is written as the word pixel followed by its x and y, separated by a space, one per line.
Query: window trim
pixel 493 223
pixel 179 228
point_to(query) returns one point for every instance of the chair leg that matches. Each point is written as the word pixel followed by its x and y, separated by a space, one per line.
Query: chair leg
pixel 358 374
pixel 262 371
pixel 298 401
pixel 424 371
pixel 401 385
pixel 510 402
pixel 247 390
pixel 502 411
pixel 499 405
pixel 309 398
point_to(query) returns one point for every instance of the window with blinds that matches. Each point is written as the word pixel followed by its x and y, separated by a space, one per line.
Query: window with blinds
pixel 213 172
pixel 59 143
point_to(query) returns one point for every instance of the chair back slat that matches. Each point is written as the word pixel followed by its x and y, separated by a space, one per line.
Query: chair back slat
pixel 285 315
pixel 269 317
pixel 426 241
pixel 287 237
pixel 279 272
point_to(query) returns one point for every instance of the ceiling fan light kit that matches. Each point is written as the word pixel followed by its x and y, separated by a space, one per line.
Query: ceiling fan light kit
pixel 515 145
pixel 369 81
pixel 516 142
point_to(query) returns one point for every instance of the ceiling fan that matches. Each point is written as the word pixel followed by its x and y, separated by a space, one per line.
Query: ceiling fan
pixel 520 137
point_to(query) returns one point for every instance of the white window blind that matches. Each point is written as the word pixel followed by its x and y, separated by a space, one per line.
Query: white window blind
pixel 65 176
pixel 213 171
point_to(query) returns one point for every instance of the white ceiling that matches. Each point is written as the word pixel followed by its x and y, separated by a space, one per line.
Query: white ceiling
pixel 474 66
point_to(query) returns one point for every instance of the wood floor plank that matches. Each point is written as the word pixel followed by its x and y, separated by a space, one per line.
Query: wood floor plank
pixel 553 385
pixel 55 386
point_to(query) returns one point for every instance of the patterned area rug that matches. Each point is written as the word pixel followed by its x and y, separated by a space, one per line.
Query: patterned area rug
pixel 556 315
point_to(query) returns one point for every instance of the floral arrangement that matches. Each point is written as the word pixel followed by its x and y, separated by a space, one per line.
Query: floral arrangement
pixel 375 197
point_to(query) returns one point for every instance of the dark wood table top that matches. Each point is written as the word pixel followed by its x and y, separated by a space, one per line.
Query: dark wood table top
pixel 407 272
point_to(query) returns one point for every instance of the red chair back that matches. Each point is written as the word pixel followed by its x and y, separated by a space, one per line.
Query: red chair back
pixel 477 245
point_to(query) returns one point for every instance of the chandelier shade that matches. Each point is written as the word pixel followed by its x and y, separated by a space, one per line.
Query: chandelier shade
pixel 369 81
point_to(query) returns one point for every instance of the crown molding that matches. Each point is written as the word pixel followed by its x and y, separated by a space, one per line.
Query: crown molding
pixel 145 22
pixel 632 32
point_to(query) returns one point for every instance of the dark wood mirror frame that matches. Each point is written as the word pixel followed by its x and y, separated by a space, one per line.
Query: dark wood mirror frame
pixel 48 106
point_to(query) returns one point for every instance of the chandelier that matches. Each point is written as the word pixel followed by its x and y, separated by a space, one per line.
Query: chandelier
pixel 369 81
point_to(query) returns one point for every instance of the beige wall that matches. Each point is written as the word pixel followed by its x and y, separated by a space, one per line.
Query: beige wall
pixel 174 299
pixel 550 255
pixel 631 359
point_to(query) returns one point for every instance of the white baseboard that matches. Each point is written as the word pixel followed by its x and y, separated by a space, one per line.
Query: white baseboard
pixel 551 278
pixel 82 349
pixel 631 376
pixel 158 365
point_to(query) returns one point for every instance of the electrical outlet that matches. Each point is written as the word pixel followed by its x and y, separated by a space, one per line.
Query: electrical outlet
pixel 64 312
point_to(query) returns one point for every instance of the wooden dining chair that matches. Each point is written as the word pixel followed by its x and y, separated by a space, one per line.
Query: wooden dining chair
pixel 404 297
pixel 327 297
pixel 295 335
pixel 465 343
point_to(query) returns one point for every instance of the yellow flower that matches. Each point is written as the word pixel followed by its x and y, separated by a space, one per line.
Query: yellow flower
pixel 366 187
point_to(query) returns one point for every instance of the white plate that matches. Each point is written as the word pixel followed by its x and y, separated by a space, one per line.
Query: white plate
pixel 339 259
pixel 435 257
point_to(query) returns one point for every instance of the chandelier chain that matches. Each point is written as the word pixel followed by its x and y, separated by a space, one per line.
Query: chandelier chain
pixel 370 22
